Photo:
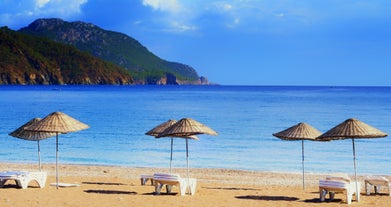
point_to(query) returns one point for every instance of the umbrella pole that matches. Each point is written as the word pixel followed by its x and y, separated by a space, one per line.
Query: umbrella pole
pixel 172 144
pixel 187 157
pixel 39 156
pixel 57 160
pixel 355 171
pixel 302 160
pixel 187 163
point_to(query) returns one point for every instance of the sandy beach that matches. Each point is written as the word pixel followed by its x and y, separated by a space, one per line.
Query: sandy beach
pixel 121 186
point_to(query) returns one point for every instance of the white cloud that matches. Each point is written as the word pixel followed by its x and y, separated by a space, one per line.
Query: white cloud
pixel 181 27
pixel 16 14
pixel 163 5
pixel 251 15
pixel 61 8
pixel 244 15
pixel 220 7
pixel 137 22
pixel 226 7
pixel 41 3
pixel 174 17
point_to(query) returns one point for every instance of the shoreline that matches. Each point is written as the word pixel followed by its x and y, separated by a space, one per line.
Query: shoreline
pixel 120 186
pixel 268 177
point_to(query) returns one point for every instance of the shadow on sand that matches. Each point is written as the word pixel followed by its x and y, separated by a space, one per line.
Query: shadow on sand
pixel 161 194
pixel 268 198
pixel 220 188
pixel 102 183
pixel 317 200
pixel 111 192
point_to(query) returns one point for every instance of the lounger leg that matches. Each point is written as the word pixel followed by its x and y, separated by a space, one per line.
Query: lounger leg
pixel 158 188
pixel 322 194
pixel 22 183
pixel 40 178
pixel 377 189
pixel 2 182
pixel 145 180
pixel 168 188
pixel 193 185
pixel 358 194
pixel 367 188
pixel 332 195
pixel 183 186
pixel 41 182
pixel 349 196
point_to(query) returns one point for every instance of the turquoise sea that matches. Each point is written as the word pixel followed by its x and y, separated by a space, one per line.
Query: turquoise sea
pixel 244 116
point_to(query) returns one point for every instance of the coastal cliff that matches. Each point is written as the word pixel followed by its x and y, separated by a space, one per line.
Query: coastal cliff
pixel 117 48
pixel 53 51
pixel 31 60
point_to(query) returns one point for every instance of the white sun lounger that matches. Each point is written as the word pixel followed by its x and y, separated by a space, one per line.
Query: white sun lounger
pixel 184 184
pixel 144 179
pixel 376 182
pixel 338 184
pixel 23 179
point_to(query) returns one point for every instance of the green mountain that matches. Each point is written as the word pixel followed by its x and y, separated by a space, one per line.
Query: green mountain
pixel 115 47
pixel 27 59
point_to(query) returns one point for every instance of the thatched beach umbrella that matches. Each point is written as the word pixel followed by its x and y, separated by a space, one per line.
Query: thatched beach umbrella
pixel 186 128
pixel 300 131
pixel 57 122
pixel 160 128
pixel 352 129
pixel 21 133
pixel 163 126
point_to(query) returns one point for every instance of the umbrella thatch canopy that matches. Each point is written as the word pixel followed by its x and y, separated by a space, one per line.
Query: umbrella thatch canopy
pixel 160 128
pixel 300 131
pixel 163 126
pixel 32 135
pixel 57 122
pixel 187 127
pixel 184 128
pixel 352 129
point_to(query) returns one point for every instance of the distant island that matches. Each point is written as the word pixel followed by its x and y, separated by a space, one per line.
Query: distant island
pixel 54 51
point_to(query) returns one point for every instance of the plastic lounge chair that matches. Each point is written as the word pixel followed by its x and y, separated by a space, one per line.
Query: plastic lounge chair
pixel 170 180
pixel 23 179
pixel 338 184
pixel 144 179
pixel 376 182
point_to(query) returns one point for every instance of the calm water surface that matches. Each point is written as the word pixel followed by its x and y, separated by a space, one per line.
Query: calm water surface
pixel 244 116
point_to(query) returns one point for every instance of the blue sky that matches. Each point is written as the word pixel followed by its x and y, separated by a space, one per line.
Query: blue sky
pixel 243 42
